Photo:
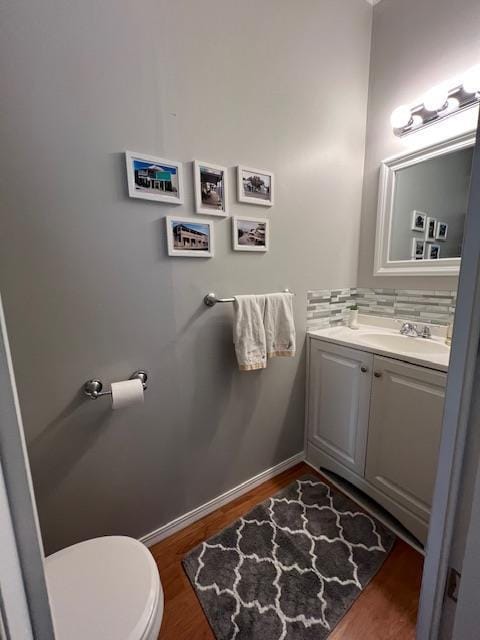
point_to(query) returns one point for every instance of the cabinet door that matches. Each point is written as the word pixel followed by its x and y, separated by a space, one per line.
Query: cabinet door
pixel 338 405
pixel 404 432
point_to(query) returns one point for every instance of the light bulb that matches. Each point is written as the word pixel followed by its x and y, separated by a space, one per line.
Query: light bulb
pixel 471 82
pixel 452 105
pixel 401 117
pixel 436 99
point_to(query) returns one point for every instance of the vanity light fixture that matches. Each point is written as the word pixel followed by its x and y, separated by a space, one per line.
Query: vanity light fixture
pixel 438 103
pixel 401 117
pixel 436 100
pixel 471 82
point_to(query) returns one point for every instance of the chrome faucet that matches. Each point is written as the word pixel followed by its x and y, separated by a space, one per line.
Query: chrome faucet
pixel 410 329
pixel 426 333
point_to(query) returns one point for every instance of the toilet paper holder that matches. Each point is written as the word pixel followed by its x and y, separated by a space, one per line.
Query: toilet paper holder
pixel 93 388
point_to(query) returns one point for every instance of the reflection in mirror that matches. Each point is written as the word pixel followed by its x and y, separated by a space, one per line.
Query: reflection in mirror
pixel 422 204
pixel 429 207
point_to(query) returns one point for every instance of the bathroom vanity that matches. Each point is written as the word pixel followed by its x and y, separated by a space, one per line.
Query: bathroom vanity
pixel 374 413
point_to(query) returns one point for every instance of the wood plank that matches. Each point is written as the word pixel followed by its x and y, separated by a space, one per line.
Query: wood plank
pixel 387 607
pixel 386 610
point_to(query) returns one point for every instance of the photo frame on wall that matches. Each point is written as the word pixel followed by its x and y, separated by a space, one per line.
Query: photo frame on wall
pixel 441 231
pixel 430 229
pixel 419 220
pixel 418 249
pixel 250 234
pixel 211 188
pixel 154 178
pixel 255 186
pixel 433 252
pixel 189 237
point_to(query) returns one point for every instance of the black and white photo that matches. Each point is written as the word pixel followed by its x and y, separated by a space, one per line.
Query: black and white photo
pixel 433 252
pixel 250 234
pixel 430 229
pixel 418 249
pixel 211 188
pixel 419 220
pixel 441 231
pixel 255 186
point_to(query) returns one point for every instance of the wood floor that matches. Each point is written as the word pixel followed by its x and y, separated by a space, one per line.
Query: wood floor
pixel 386 609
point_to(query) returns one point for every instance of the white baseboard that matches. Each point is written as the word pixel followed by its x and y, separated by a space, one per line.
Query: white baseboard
pixel 199 512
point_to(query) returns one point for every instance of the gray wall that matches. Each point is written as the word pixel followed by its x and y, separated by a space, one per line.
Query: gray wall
pixel 87 285
pixel 438 187
pixel 415 46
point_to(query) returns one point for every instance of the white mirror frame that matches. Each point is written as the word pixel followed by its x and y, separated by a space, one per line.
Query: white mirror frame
pixel 386 193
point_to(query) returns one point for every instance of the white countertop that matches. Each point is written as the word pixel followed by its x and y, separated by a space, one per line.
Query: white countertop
pixel 382 337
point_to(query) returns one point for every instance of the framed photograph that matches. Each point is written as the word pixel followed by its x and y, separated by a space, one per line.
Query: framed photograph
pixel 250 234
pixel 418 249
pixel 433 252
pixel 430 229
pixel 419 221
pixel 255 186
pixel 211 189
pixel 441 231
pixel 189 237
pixel 152 178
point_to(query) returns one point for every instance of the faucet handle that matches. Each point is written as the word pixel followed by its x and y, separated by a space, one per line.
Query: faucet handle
pixel 426 332
pixel 405 327
pixel 408 329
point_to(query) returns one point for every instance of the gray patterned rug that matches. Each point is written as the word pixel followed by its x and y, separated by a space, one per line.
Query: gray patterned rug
pixel 290 568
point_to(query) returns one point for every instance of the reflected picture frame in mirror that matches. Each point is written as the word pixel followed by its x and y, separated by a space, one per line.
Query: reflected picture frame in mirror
pixel 430 229
pixel 433 229
pixel 441 231
pixel 418 249
pixel 419 220
pixel 433 252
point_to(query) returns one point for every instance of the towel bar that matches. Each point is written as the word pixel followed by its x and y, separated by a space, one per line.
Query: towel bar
pixel 211 299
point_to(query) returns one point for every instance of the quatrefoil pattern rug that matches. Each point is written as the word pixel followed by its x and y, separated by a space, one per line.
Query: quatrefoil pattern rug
pixel 290 568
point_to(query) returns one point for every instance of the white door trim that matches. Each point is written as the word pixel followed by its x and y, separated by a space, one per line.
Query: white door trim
pixel 458 399
pixel 466 614
pixel 14 613
pixel 26 555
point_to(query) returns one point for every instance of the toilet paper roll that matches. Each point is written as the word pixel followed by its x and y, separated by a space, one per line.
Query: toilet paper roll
pixel 126 393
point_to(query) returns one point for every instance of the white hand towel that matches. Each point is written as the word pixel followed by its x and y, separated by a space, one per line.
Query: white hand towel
pixel 279 325
pixel 249 332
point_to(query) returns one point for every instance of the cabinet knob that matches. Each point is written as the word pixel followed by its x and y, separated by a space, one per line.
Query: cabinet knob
pixel 377 374
pixel 363 369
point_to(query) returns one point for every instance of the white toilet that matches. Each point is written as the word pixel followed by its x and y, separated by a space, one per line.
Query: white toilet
pixel 105 589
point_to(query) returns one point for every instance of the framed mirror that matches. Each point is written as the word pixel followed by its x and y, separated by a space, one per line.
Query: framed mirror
pixel 423 198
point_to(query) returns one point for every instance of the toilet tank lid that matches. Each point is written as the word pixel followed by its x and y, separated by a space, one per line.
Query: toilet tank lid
pixel 106 588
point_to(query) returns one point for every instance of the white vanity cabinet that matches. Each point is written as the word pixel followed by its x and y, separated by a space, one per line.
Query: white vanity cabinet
pixel 339 398
pixel 376 422
pixel 404 432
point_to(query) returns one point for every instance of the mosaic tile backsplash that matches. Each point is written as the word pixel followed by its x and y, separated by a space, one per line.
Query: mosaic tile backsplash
pixel 329 307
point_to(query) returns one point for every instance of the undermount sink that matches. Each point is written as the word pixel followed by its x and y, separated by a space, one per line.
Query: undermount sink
pixel 403 344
